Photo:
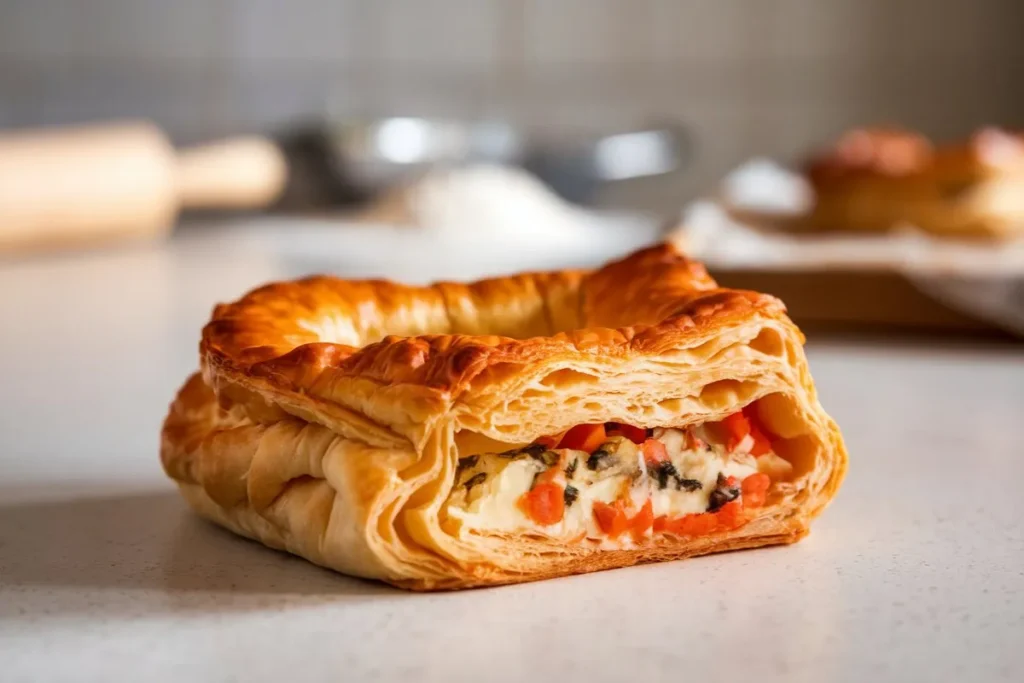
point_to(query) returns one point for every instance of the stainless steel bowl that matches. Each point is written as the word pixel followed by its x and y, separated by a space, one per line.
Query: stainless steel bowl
pixel 377 153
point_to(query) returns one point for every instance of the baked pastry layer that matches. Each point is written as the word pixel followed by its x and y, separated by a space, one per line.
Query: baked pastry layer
pixel 340 420
pixel 877 179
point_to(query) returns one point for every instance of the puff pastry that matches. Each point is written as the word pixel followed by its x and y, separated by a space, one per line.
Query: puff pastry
pixel 508 430
pixel 876 179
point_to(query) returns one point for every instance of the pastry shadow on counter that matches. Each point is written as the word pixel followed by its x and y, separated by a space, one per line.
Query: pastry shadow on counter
pixel 145 552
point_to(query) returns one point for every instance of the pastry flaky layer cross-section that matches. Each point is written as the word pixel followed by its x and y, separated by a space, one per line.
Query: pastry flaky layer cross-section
pixel 507 430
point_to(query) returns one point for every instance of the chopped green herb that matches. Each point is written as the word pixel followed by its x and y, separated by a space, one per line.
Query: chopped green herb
pixel 571 469
pixel 601 460
pixel 722 494
pixel 478 478
pixel 570 495
pixel 534 450
pixel 664 471
pixel 689 485
pixel 549 458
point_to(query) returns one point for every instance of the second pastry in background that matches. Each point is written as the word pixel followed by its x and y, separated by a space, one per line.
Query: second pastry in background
pixel 875 179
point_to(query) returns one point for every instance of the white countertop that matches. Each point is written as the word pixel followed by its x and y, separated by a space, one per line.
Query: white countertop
pixel 915 573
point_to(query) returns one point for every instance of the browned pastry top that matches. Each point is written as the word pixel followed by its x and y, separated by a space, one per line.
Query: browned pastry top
pixel 448 337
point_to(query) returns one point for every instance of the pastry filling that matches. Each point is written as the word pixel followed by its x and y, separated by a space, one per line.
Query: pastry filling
pixel 622 483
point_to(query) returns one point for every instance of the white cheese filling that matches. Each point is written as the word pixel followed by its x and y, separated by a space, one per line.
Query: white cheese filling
pixel 492 505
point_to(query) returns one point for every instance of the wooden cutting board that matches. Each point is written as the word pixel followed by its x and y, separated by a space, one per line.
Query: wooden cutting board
pixel 858 300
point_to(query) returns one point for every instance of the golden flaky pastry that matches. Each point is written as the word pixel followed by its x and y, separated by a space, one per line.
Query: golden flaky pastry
pixel 507 430
pixel 875 179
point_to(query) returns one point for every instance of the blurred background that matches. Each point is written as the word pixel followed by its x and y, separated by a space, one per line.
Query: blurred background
pixel 635 109
pixel 764 77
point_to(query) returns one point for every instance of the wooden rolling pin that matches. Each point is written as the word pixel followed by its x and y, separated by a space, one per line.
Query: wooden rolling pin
pixel 66 186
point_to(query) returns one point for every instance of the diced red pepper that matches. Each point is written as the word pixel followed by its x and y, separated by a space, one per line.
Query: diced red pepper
pixel 738 427
pixel 729 516
pixel 755 489
pixel 762 440
pixel 752 417
pixel 635 434
pixel 643 520
pixel 584 438
pixel 700 524
pixel 611 519
pixel 762 445
pixel 544 504
pixel 548 476
pixel 654 451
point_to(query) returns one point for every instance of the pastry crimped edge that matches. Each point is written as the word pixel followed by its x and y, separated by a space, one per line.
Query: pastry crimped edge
pixel 344 452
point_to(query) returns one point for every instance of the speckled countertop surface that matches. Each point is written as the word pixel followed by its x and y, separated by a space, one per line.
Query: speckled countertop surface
pixel 915 573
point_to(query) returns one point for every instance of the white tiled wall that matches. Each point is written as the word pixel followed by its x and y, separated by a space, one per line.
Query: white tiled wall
pixel 748 76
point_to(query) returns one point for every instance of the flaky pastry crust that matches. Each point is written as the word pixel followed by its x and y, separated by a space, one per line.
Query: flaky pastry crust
pixel 329 415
